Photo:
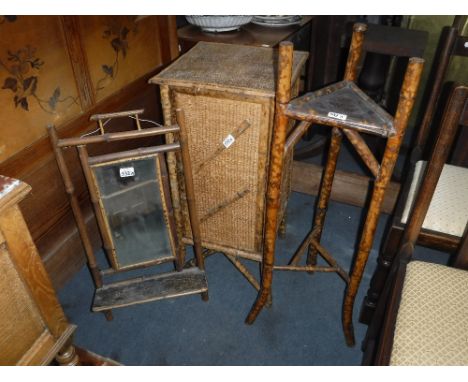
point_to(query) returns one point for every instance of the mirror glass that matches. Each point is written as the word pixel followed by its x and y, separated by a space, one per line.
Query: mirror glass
pixel 132 202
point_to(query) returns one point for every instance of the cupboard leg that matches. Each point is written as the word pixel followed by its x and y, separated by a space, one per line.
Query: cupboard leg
pixel 67 355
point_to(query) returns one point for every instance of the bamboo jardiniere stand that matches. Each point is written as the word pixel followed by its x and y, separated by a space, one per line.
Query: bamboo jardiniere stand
pixel 347 110
pixel 183 281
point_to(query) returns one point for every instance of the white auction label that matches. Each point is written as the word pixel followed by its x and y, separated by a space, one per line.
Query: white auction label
pixel 228 141
pixel 337 116
pixel 126 172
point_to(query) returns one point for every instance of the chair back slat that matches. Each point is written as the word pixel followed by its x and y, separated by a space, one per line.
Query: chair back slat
pixel 461 46
pixel 394 41
pixel 448 38
pixel 461 258
pixel 464 116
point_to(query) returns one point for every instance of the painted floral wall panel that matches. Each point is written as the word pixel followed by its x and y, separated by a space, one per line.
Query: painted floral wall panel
pixel 119 50
pixel 37 86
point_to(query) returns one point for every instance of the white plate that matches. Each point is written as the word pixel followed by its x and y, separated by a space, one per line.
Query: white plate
pixel 218 23
pixel 277 23
pixel 274 17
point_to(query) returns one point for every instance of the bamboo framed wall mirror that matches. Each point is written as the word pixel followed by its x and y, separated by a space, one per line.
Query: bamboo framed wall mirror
pixel 130 194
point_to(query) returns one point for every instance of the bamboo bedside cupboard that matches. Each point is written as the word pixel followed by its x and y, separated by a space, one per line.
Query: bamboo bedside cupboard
pixel 227 93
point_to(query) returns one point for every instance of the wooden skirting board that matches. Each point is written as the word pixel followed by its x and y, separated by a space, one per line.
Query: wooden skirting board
pixel 348 188
pixel 62 249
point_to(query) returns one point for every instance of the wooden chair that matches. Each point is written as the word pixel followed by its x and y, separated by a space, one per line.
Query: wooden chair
pixel 346 110
pixel 421 317
pixel 434 233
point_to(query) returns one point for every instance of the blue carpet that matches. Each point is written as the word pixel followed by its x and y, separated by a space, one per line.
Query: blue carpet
pixel 303 327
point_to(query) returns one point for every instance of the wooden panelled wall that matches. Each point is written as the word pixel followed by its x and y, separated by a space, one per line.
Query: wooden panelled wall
pixel 61 70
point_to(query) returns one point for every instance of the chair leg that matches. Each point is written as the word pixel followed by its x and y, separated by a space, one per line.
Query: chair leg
pixel 377 282
pixel 325 192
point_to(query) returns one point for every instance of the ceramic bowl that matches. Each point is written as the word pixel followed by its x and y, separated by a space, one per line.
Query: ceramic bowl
pixel 219 23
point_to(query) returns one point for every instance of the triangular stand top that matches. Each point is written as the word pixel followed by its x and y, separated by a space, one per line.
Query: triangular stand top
pixel 343 105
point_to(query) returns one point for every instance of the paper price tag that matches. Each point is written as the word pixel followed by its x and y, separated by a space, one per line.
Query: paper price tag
pixel 342 117
pixel 228 141
pixel 125 172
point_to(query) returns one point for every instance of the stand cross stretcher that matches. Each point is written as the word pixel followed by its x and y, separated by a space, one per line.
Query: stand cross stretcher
pixel 347 110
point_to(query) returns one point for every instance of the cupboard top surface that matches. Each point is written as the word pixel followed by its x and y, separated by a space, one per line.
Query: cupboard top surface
pixel 228 66
pixel 11 191
pixel 7 185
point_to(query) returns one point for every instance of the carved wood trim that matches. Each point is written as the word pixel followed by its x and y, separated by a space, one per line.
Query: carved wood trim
pixel 78 59
pixel 173 37
pixel 162 27
pixel 167 27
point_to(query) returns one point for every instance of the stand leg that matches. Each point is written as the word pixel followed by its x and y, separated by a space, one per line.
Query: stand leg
pixel 351 72
pixel 365 246
pixel 324 195
pixel 405 105
pixel 108 315
pixel 283 95
pixel 80 222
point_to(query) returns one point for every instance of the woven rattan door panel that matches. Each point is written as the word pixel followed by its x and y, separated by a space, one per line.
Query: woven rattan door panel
pixel 229 175
pixel 226 90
